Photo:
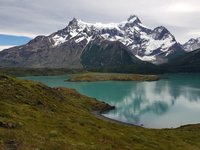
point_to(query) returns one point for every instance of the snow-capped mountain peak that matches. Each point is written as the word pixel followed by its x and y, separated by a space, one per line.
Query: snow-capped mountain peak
pixel 73 22
pixel 161 33
pixel 133 18
pixel 141 41
pixel 192 44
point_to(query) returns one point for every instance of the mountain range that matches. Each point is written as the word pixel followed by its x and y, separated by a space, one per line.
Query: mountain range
pixel 128 44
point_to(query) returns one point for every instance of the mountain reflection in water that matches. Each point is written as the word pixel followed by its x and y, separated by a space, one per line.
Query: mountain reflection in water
pixel 155 99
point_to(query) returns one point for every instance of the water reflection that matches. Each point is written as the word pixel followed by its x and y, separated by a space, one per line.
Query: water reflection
pixel 156 98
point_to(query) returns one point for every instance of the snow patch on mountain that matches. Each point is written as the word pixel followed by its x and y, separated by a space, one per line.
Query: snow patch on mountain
pixel 147 58
pixel 152 44
pixel 79 39
pixel 58 40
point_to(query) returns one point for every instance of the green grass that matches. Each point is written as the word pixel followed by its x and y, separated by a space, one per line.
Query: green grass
pixel 91 77
pixel 34 116
pixel 18 72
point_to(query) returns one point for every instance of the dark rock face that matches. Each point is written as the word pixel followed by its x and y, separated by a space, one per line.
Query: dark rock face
pixel 40 53
pixel 161 33
pixel 8 125
pixel 105 54
pixel 112 56
pixel 132 21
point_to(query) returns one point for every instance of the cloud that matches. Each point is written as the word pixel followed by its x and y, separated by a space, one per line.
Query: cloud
pixel 194 33
pixel 31 18
pixel 5 47
pixel 183 7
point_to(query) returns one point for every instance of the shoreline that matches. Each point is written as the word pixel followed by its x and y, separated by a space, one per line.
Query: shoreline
pixel 99 115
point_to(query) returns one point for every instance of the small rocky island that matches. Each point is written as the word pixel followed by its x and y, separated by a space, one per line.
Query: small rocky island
pixel 92 77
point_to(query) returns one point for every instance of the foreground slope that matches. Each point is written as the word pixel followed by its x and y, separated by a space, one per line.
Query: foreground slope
pixel 34 116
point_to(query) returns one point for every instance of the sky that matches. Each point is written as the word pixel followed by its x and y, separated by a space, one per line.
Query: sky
pixel 25 18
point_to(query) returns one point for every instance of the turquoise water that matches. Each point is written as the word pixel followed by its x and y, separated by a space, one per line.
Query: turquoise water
pixel 167 103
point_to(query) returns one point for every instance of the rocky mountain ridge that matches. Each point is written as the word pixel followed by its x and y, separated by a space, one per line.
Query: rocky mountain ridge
pixel 65 48
pixel 191 45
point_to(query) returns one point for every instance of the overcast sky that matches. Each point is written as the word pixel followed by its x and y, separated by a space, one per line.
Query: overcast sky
pixel 42 17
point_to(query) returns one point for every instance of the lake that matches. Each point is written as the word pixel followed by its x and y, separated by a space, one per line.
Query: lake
pixel 166 103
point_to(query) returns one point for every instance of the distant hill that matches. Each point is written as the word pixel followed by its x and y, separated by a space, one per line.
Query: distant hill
pixel 189 62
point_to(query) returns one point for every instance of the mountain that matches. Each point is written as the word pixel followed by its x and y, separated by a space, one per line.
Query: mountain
pixel 188 62
pixel 191 45
pixel 112 56
pixel 69 46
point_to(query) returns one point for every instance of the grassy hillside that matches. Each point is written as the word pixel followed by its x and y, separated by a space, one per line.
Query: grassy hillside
pixel 34 116
pixel 91 77
pixel 17 72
